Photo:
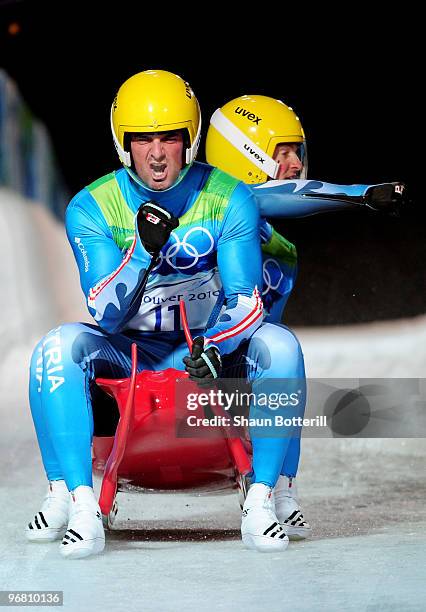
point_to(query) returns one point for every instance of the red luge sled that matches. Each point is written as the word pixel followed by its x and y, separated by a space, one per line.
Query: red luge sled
pixel 149 449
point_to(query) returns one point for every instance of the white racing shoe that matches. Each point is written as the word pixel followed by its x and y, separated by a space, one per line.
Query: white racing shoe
pixel 85 534
pixel 51 522
pixel 260 528
pixel 288 510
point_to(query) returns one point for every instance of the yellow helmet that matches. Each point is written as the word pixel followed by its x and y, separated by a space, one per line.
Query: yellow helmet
pixel 155 101
pixel 243 134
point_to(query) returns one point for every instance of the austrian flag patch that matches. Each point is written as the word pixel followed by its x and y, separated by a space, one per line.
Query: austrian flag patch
pixel 152 218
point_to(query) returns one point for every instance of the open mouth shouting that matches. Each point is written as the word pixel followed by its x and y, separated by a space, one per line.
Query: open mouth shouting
pixel 158 171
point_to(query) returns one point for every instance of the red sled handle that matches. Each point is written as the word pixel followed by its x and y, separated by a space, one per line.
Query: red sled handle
pixel 236 448
pixel 109 482
pixel 185 325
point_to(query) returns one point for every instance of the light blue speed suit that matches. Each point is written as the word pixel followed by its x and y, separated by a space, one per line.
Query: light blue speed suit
pixel 215 246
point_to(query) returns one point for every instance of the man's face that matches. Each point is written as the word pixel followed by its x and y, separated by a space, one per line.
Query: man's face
pixel 290 164
pixel 157 157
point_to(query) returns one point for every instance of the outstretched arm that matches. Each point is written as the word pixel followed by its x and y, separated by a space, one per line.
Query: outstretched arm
pixel 300 198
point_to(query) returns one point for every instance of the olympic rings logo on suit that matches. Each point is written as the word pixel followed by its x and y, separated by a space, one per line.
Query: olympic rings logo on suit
pixel 187 247
pixel 267 280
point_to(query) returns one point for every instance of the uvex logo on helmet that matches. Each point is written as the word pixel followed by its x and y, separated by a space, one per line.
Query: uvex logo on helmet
pixel 253 152
pixel 245 113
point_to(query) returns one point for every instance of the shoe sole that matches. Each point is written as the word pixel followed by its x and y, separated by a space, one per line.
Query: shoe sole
pixel 296 533
pixel 83 549
pixel 263 543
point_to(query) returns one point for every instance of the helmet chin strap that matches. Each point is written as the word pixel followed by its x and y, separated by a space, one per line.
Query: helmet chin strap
pixel 244 144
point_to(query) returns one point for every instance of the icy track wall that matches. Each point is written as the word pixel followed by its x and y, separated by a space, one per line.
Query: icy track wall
pixel 32 237
pixel 39 279
pixel 35 295
pixel 27 161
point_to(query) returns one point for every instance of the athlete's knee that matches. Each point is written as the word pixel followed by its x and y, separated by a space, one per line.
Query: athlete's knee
pixel 277 346
pixel 285 343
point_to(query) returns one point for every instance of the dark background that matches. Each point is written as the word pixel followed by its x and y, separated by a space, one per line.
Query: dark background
pixel 352 80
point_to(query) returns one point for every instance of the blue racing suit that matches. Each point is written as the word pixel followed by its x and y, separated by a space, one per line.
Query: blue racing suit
pixel 215 250
pixel 301 198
